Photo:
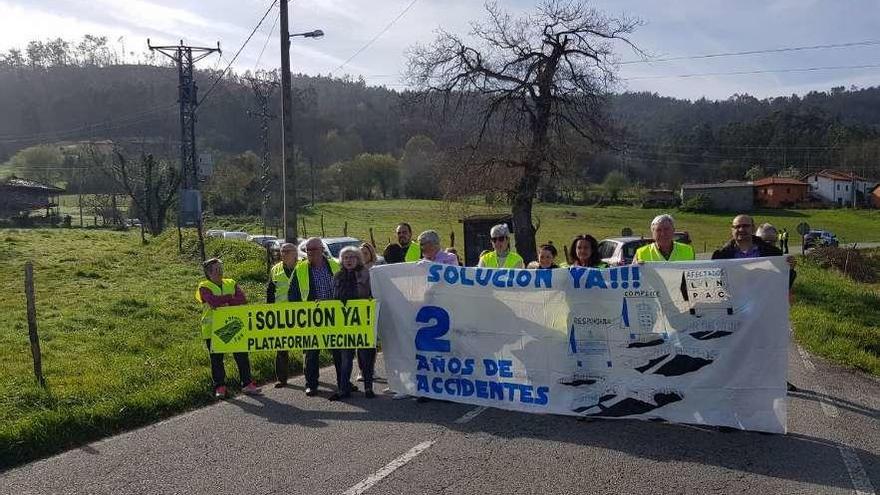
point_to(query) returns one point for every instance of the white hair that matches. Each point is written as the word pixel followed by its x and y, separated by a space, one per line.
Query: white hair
pixel 662 218
pixel 430 236
pixel 355 250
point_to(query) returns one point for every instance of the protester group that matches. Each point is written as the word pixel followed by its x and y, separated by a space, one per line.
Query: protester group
pixel 319 278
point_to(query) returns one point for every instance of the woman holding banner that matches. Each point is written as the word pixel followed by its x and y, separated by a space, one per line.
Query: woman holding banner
pixel 352 282
pixel 213 293
pixel 584 252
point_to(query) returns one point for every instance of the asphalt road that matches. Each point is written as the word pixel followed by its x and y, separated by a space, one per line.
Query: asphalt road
pixel 287 443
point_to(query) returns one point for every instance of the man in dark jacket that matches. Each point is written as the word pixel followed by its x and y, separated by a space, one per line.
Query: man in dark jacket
pixel 745 244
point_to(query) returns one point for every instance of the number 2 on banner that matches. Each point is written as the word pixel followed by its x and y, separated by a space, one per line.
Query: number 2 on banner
pixel 428 337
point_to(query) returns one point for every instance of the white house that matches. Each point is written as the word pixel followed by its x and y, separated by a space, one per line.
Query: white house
pixel 840 187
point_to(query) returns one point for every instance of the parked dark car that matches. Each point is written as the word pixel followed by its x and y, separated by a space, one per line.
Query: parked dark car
pixel 820 238
pixel 618 251
pixel 682 236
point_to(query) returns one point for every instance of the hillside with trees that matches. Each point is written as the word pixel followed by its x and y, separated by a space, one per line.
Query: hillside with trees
pixel 359 142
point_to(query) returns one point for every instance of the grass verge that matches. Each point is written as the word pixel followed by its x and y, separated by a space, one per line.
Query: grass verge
pixel 119 333
pixel 838 318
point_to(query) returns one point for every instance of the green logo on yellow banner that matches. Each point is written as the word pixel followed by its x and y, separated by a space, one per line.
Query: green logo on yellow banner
pixel 228 331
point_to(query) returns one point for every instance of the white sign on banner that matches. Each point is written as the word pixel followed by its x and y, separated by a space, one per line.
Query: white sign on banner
pixel 698 342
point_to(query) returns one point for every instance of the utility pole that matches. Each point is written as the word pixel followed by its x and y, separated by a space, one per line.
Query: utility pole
pixel 288 171
pixel 263 89
pixel 189 198
pixel 288 216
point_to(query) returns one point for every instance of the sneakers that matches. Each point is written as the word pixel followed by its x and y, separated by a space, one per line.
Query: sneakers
pixel 311 392
pixel 251 389
pixel 359 378
pixel 220 392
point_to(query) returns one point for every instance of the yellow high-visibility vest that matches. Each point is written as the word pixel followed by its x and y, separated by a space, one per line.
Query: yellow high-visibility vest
pixel 680 252
pixel 413 253
pixel 282 281
pixel 302 276
pixel 490 260
pixel 227 289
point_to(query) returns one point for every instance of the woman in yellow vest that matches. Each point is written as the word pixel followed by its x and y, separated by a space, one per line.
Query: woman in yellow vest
pixel 501 256
pixel 216 292
pixel 584 252
pixel 664 247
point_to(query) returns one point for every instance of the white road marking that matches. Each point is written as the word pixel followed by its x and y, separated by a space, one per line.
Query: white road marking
pixel 860 481
pixel 807 363
pixel 389 468
pixel 468 416
pixel 830 410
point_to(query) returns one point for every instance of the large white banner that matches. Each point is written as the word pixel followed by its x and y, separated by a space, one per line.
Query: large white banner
pixel 700 342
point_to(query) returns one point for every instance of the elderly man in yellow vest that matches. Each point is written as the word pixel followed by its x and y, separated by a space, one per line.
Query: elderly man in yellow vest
pixel 501 256
pixel 279 290
pixel 313 281
pixel 664 247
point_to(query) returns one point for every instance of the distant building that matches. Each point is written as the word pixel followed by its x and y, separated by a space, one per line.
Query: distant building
pixel 780 192
pixel 19 196
pixel 840 187
pixel 725 196
pixel 658 198
pixel 875 197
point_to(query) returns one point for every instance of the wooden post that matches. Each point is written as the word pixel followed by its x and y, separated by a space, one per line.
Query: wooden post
pixel 345 229
pixel 32 322
pixel 304 226
pixel 323 233
pixel 372 239
pixel 452 239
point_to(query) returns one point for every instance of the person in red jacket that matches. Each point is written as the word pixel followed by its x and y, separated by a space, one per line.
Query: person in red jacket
pixel 213 293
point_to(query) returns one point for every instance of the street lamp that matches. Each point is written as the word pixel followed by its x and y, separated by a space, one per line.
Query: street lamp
pixel 288 224
pixel 317 33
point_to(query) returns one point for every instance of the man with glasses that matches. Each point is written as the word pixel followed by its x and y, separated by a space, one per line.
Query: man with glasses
pixel 501 256
pixel 405 250
pixel 279 290
pixel 745 244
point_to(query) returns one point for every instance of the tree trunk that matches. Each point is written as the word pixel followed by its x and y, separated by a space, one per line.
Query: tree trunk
pixel 522 213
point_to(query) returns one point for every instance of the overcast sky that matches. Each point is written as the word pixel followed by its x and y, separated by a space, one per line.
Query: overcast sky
pixel 672 28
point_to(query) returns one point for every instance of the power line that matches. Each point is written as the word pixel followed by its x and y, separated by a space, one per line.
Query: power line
pixel 754 52
pixel 383 31
pixel 760 71
pixel 237 53
pixel 268 37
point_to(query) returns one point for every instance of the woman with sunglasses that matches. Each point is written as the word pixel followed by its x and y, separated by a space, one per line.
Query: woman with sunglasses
pixel 584 252
pixel 501 256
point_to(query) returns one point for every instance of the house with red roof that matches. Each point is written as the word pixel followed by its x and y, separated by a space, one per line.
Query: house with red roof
pixel 839 187
pixel 780 192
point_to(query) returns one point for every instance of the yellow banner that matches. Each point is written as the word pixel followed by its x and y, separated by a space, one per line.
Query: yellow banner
pixel 294 325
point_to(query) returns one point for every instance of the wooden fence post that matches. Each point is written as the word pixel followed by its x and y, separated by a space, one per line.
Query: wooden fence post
pixel 372 239
pixel 32 322
pixel 323 233
pixel 345 229
pixel 452 239
pixel 304 226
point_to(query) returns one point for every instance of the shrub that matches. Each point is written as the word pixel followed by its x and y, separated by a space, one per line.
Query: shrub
pixel 697 204
pixel 850 262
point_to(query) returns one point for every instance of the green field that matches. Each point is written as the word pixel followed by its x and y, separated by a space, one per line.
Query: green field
pixel 837 318
pixel 558 223
pixel 119 334
pixel 119 331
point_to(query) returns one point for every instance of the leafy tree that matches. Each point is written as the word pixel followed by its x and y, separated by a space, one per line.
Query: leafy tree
pixel 420 157
pixel 615 182
pixel 754 172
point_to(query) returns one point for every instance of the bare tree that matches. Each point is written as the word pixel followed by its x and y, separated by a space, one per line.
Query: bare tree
pixel 150 183
pixel 532 82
